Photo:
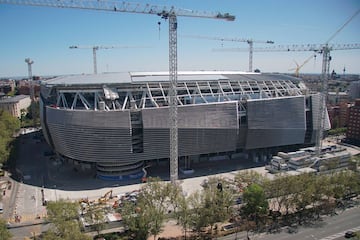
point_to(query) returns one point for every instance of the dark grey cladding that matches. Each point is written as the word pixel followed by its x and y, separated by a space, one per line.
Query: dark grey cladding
pixel 91 136
pixel 202 129
pixel 275 122
pixel 105 136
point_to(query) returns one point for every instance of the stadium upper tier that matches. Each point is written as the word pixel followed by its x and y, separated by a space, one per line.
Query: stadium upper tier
pixel 119 120
pixel 119 91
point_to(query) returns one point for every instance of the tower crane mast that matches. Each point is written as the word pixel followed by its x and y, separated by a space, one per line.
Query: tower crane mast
pixel 325 50
pixel 170 13
pixel 247 40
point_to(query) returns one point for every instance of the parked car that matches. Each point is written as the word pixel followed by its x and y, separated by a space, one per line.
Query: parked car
pixel 350 234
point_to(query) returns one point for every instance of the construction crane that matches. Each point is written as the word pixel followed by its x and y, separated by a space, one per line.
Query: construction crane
pixel 169 13
pixel 298 67
pixel 95 48
pixel 249 41
pixel 325 50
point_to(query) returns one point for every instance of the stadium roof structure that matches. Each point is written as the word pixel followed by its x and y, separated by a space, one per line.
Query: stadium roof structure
pixel 129 77
pixel 119 91
pixel 117 121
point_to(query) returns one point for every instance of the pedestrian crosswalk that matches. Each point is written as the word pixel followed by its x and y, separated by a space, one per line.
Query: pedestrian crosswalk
pixel 340 234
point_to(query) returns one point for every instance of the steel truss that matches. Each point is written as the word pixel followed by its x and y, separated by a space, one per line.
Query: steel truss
pixel 156 94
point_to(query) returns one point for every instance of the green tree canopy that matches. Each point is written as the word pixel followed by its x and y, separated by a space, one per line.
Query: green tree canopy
pixel 154 201
pixel 63 215
pixel 8 127
pixel 255 200
pixel 211 205
pixel 4 232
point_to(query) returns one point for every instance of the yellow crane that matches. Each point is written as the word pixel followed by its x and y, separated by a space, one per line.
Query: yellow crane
pixel 169 13
pixel 298 67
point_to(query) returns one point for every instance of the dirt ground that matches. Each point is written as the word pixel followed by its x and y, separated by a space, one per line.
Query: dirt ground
pixel 171 229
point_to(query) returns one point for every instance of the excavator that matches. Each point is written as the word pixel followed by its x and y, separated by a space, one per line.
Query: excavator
pixel 108 195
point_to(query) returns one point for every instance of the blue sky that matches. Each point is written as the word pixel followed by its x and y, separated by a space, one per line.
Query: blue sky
pixel 45 34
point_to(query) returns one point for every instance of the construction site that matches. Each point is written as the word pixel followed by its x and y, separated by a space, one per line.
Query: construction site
pixel 104 134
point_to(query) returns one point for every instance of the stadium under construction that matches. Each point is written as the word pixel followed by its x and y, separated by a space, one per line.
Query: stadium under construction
pixel 117 122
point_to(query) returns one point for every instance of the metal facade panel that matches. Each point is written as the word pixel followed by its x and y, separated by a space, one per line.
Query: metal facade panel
pixel 275 122
pixel 87 136
pixel 207 128
pixel 202 129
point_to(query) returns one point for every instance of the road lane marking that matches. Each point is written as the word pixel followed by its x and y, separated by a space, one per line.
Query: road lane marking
pixel 340 234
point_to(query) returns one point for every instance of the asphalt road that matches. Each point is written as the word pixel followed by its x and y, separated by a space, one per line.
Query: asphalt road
pixel 25 231
pixel 331 228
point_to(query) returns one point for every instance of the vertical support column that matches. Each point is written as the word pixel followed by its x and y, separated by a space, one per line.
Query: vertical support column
pixel 251 48
pixel 94 59
pixel 173 98
pixel 323 96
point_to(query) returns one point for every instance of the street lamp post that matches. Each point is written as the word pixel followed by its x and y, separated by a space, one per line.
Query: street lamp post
pixel 32 92
pixel 55 193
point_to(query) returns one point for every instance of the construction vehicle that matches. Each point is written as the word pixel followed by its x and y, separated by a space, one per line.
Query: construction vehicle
pixel 116 204
pixel 144 178
pixel 84 200
pixel 108 195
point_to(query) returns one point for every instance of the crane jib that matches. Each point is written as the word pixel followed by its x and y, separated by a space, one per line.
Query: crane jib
pixel 120 6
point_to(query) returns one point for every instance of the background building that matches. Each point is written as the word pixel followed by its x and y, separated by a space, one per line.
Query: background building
pixel 117 122
pixel 354 90
pixel 339 114
pixel 353 130
pixel 7 86
pixel 15 104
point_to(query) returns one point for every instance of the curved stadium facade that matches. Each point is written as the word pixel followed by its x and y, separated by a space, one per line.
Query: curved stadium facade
pixel 116 122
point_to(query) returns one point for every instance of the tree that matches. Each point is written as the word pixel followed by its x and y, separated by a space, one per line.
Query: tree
pixel 33 112
pixel 303 192
pixel 198 218
pixel 4 232
pixel 217 201
pixel 137 218
pixel 8 127
pixel 63 215
pixel 183 212
pixel 245 178
pixel 148 214
pixel 95 215
pixel 255 201
pixel 211 205
pixel 27 118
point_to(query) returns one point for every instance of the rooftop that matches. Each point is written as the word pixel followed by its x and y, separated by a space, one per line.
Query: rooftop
pixel 14 99
pixel 140 77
